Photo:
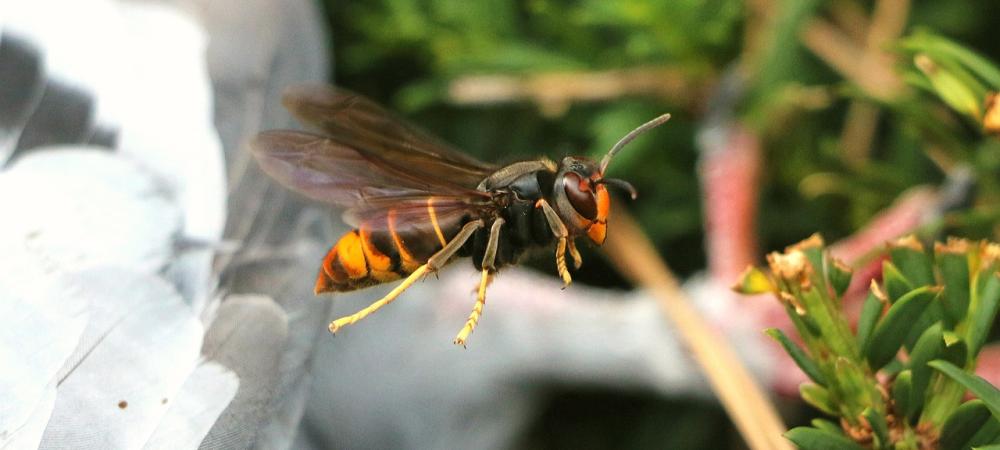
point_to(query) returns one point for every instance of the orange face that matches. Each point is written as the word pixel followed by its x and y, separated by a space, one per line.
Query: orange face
pixel 598 229
pixel 581 197
pixel 590 202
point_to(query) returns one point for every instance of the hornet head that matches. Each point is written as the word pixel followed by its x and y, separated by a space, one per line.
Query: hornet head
pixel 580 193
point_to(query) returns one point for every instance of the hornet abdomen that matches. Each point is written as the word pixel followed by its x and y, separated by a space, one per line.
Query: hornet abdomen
pixel 376 253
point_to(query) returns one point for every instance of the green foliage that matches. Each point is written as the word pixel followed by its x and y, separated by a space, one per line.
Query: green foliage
pixel 895 326
pixel 959 76
pixel 820 439
pixel 986 392
pixel 501 36
pixel 870 313
pixel 918 404
pixel 798 355
pixel 963 424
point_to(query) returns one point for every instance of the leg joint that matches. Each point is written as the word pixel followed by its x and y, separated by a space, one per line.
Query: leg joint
pixel 439 259
pixel 490 256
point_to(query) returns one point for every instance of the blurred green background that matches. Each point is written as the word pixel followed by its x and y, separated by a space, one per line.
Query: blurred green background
pixel 507 79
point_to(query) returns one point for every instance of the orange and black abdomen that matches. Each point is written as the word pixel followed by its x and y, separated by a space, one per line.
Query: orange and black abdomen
pixel 385 252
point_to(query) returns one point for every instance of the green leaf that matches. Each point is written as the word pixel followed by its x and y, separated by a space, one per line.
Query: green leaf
pixel 986 392
pixel 902 393
pixel 805 325
pixel 981 66
pixel 834 328
pixel 894 327
pixel 880 430
pixel 827 425
pixel 840 276
pixel 988 434
pixel 985 311
pixel 955 276
pixel 955 352
pixel 943 47
pixel 929 347
pixel 987 447
pixel 912 261
pixel 896 285
pixel 798 355
pixel 814 253
pixel 855 387
pixel 950 338
pixel 933 314
pixel 808 438
pixel 818 397
pixel 963 424
pixel 870 313
pixel 951 84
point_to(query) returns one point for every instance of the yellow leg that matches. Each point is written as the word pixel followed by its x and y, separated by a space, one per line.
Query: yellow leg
pixel 561 262
pixel 558 230
pixel 577 260
pixel 353 318
pixel 433 264
pixel 477 310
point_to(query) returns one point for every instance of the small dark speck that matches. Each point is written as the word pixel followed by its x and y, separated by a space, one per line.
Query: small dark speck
pixel 123 404
pixel 163 402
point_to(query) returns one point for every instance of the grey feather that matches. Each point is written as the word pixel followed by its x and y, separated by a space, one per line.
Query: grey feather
pixel 22 70
pixel 248 335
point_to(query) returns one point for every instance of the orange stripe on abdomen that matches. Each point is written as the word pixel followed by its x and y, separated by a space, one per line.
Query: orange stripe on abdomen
pixel 380 265
pixel 409 261
pixel 432 213
pixel 345 266
pixel 367 257
pixel 351 257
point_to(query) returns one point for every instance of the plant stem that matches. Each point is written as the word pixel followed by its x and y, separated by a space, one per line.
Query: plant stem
pixel 631 251
pixel 947 396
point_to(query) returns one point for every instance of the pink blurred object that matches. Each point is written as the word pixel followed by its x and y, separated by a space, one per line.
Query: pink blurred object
pixel 729 174
pixel 989 364
pixel 911 209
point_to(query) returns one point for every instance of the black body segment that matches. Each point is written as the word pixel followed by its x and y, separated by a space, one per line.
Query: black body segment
pixel 525 225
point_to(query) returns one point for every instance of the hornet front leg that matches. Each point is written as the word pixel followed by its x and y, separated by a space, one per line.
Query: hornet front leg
pixel 559 230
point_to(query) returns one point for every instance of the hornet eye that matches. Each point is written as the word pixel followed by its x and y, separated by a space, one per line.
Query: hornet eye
pixel 580 195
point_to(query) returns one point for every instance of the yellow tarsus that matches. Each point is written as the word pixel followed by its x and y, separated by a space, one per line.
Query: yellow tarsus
pixel 561 262
pixel 353 318
pixel 577 259
pixel 477 310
